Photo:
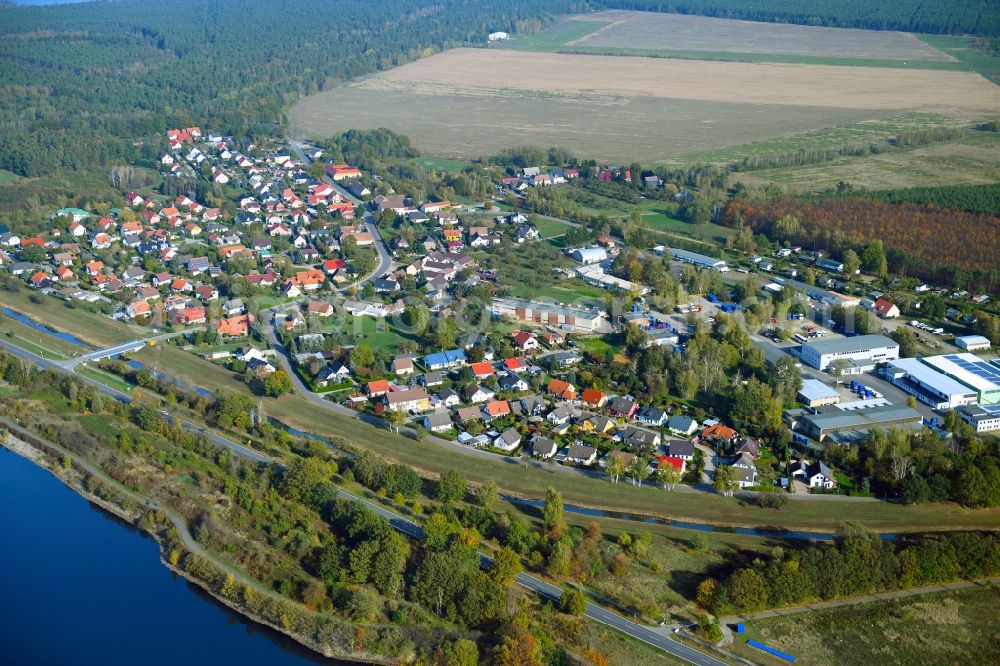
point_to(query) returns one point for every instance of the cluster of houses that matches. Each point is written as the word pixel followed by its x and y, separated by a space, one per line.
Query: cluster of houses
pixel 177 249
pixel 539 177
pixel 514 405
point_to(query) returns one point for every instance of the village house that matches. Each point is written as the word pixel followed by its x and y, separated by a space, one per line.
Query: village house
pixel 525 341
pixel 682 425
pixel 581 455
pixel 543 447
pixel 507 441
pixel 681 448
pixel 636 437
pixel 377 388
pixel 476 393
pixel 415 400
pixel 438 422
pixel 652 416
pixel 402 365
pixel 593 398
pixel 234 327
pixel 814 474
pixel 496 409
pixel 320 309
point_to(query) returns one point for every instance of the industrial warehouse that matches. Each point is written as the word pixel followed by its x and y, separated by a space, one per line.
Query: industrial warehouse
pixel 567 318
pixel 862 352
pixel 693 258
pixel 928 385
pixel 981 376
pixel 850 426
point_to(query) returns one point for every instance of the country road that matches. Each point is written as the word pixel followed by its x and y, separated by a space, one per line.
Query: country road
pixel 411 528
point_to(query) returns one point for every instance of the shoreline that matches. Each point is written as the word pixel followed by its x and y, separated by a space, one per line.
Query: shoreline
pixel 43 459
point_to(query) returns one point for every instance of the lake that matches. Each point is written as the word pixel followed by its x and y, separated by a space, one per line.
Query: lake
pixel 79 586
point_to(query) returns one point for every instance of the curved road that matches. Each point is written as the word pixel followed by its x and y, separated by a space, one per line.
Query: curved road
pixel 385 260
pixel 409 527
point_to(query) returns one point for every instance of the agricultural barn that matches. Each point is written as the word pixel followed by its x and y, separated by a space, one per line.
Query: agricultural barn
pixel 589 255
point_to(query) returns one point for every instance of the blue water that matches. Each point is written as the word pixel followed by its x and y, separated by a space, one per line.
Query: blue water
pixel 28 321
pixel 138 365
pixel 684 525
pixel 78 586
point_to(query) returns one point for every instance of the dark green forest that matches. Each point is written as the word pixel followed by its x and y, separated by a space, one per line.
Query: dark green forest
pixel 80 84
pixel 954 17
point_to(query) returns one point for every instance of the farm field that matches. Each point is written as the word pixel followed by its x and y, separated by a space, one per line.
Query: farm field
pixel 622 109
pixel 655 31
pixel 971 161
pixel 941 628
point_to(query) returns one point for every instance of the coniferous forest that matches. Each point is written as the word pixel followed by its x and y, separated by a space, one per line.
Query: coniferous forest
pixel 81 85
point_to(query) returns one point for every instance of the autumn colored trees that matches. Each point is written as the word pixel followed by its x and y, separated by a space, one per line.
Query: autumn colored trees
pixel 949 246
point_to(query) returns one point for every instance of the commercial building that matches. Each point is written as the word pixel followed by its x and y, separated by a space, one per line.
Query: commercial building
pixel 815 393
pixel 589 255
pixel 700 260
pixel 928 385
pixel 823 296
pixel 596 276
pixel 981 376
pixel 825 422
pixel 972 342
pixel 982 419
pixel 863 352
pixel 569 318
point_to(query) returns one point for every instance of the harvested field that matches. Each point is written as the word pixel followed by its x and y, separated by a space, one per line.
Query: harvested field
pixel 644 128
pixel 474 102
pixel 680 32
pixel 489 72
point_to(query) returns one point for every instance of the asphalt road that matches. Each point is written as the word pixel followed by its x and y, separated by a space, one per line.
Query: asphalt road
pixel 594 612
pixel 46 364
pixel 123 348
pixel 385 260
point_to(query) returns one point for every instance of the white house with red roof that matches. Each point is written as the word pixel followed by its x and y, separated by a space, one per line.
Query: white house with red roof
pixel 886 309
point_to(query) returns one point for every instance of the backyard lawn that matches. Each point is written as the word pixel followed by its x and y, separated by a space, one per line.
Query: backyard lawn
pixel 377 333
pixel 549 226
